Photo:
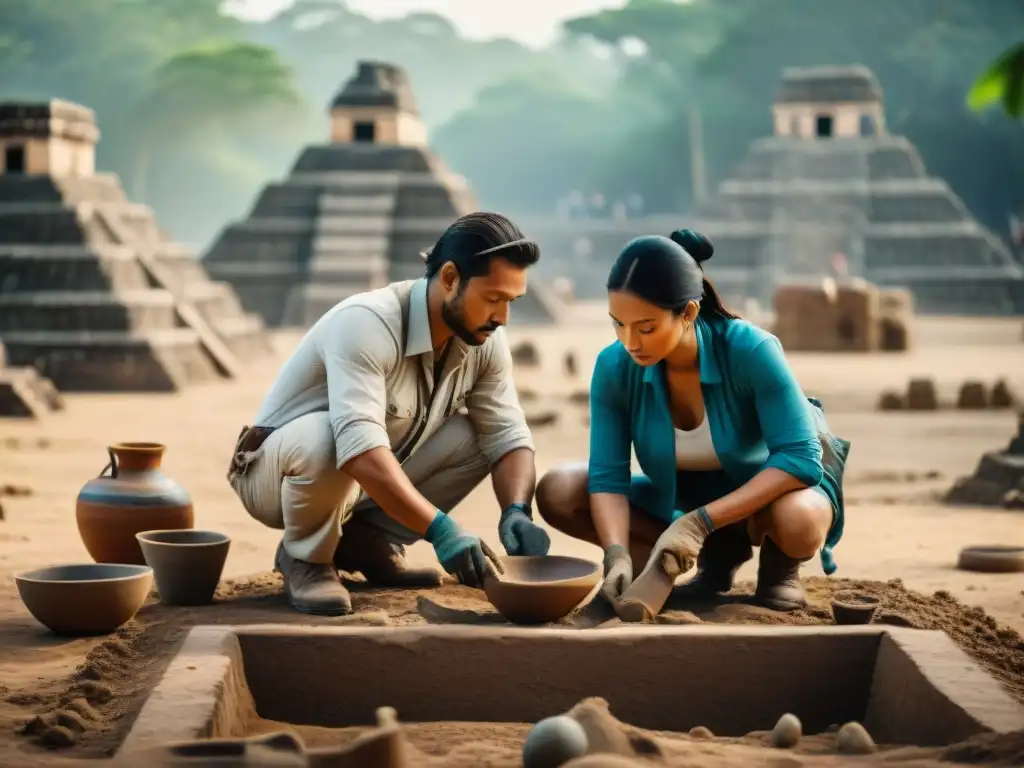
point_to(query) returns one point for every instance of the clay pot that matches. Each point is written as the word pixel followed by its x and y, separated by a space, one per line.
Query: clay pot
pixel 186 564
pixel 853 608
pixel 136 496
pixel 85 599
pixel 539 590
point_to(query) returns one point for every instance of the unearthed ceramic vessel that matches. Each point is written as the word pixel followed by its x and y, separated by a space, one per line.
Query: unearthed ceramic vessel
pixel 186 564
pixel 853 608
pixel 539 590
pixel 994 558
pixel 136 496
pixel 85 599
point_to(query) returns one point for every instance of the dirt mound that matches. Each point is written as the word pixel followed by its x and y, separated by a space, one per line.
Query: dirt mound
pixel 90 711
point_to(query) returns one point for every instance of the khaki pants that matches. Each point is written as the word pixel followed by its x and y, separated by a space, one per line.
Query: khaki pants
pixel 293 483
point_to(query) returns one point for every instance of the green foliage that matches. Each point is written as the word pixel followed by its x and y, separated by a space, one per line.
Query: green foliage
pixel 213 82
pixel 1002 83
pixel 199 109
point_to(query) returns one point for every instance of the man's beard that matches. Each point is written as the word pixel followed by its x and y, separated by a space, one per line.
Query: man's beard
pixel 451 313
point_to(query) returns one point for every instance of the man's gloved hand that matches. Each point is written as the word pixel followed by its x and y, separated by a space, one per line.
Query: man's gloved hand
pixel 519 534
pixel 461 554
pixel 677 548
pixel 618 572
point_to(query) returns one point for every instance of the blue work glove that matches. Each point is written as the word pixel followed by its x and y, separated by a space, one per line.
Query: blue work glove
pixel 519 534
pixel 461 554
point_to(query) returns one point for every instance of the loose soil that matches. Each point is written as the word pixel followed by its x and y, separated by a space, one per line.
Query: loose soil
pixel 82 694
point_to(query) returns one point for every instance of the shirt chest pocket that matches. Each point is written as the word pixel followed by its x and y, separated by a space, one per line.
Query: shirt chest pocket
pixel 400 414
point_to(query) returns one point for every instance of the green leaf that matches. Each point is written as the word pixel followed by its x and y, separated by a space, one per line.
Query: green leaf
pixel 1000 82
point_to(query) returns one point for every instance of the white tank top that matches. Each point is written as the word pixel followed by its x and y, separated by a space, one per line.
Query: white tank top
pixel 694 449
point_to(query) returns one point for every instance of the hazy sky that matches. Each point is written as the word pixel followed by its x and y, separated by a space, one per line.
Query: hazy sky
pixel 534 22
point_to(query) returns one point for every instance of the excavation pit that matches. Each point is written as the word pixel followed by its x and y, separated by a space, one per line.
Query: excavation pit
pixel 907 687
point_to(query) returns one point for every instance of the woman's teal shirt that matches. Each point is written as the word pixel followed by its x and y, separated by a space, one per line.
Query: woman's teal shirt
pixel 758 414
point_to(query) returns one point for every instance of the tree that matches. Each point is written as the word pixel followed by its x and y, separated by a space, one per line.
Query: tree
pixel 204 90
pixel 1002 82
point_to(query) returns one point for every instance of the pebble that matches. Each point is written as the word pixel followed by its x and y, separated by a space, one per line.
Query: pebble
pixel 700 732
pixel 787 732
pixel 553 742
pixel 853 739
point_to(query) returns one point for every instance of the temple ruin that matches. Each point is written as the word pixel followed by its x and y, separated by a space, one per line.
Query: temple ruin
pixel 93 294
pixel 353 214
pixel 24 394
pixel 830 193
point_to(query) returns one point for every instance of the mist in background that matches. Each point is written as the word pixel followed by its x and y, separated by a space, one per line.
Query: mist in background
pixel 199 108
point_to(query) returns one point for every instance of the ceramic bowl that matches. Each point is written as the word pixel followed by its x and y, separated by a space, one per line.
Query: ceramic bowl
pixel 186 564
pixel 539 590
pixel 853 607
pixel 993 558
pixel 86 598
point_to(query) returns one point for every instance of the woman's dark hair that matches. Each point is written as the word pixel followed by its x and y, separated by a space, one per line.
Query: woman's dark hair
pixel 667 272
pixel 474 239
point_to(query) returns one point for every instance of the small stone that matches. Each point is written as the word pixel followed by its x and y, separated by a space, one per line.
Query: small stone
pixel 525 354
pixel 891 401
pixel 973 396
pixel 700 732
pixel 541 418
pixel 569 361
pixel 553 742
pixel 853 739
pixel 922 395
pixel 1002 395
pixel 787 732
pixel 580 397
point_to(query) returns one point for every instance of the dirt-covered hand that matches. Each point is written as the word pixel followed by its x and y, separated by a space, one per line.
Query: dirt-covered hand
pixel 677 548
pixel 618 572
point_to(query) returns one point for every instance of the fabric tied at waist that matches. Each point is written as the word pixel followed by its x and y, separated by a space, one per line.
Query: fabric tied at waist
pixel 250 440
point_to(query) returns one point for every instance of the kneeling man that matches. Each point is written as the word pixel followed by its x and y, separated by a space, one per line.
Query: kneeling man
pixel 393 407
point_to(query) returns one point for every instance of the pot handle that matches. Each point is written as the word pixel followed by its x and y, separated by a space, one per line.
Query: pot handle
pixel 111 465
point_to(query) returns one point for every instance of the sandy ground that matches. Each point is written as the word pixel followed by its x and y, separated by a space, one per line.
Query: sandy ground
pixel 900 464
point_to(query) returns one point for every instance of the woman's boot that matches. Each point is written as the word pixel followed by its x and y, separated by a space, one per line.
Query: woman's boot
pixel 778 579
pixel 724 551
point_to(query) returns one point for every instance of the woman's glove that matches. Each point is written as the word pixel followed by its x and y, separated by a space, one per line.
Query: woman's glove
pixel 677 548
pixel 618 572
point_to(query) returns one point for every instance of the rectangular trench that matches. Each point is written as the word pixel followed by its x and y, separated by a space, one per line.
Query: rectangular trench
pixel 905 686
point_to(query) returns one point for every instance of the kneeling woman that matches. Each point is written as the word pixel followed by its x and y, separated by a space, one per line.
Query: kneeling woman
pixel 733 454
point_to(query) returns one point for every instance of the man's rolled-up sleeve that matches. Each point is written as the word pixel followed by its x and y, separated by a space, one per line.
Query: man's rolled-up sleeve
pixel 358 352
pixel 493 405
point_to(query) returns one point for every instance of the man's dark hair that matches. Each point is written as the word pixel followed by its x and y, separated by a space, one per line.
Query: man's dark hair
pixel 476 238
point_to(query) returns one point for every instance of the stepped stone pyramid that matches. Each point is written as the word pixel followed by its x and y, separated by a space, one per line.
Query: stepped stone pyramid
pixel 93 294
pixel 830 181
pixel 24 393
pixel 353 214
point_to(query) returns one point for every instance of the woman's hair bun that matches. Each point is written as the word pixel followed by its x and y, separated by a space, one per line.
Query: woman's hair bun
pixel 696 244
